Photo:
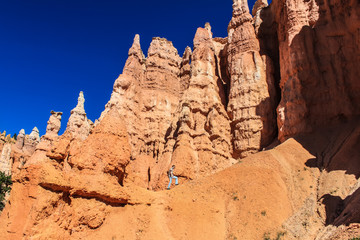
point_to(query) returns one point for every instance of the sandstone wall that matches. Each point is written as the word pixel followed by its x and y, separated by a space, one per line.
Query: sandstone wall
pixel 319 51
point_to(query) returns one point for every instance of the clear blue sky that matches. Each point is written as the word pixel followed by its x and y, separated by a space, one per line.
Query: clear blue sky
pixel 50 50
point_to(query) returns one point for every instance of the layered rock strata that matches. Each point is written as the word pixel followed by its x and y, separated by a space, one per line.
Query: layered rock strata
pixel 5 160
pixel 198 112
pixel 198 140
pixel 89 178
pixel 319 53
pixel 252 90
pixel 126 93
pixel 185 68
pixel 77 130
pixel 161 91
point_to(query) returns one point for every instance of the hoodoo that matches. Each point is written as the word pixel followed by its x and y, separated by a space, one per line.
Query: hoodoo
pixel 262 125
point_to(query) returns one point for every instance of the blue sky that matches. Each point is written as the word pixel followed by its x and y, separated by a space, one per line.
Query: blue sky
pixel 50 50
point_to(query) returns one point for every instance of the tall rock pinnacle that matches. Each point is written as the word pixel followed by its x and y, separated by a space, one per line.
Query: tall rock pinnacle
pixel 241 8
pixel 251 99
pixel 5 159
pixel 135 49
pixel 185 69
pixel 79 125
pixel 54 123
pixel 80 104
pixel 199 138
pixel 31 141
pixel 20 139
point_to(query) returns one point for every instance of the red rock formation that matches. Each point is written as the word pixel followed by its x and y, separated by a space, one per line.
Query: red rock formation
pixel 252 91
pixel 147 93
pixel 31 141
pixel 198 112
pixel 185 68
pixel 5 161
pixel 77 130
pixel 319 50
pixel 86 182
pixel 79 125
pixel 160 93
pixel 199 140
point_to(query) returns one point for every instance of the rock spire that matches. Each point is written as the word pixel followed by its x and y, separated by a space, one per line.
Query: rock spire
pixel 252 90
pixel 78 125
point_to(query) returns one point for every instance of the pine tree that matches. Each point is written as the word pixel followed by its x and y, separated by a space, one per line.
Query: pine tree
pixel 5 187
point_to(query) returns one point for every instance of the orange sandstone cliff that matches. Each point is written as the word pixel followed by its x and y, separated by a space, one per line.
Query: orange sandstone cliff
pixel 263 127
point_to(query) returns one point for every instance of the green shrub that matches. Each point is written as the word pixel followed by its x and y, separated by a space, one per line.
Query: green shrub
pixel 5 187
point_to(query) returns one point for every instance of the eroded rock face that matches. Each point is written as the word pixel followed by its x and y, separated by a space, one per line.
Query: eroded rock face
pixel 319 53
pixel 52 130
pixel 147 93
pixel 112 154
pixel 54 123
pixel 160 95
pixel 126 93
pixel 82 187
pixel 31 141
pixel 5 160
pixel 252 91
pixel 20 139
pixel 78 125
pixel 77 130
pixel 185 67
pixel 199 112
pixel 199 141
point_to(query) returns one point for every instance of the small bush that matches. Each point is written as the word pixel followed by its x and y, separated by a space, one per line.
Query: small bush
pixel 280 235
pixel 266 236
pixel 5 187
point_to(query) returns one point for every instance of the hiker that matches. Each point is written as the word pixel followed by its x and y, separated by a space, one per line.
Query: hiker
pixel 171 176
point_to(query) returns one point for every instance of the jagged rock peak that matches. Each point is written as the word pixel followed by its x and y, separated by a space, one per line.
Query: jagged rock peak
pixel 162 57
pixel 159 44
pixel 34 135
pixel 240 7
pixel 80 104
pixel 30 141
pixel 135 49
pixel 186 56
pixel 20 139
pixel 8 139
pixel 202 35
pixel 185 69
pixel 259 4
pixel 78 123
pixel 5 159
pixel 241 14
pixel 21 133
pixel 187 53
pixel 54 123
pixel 208 27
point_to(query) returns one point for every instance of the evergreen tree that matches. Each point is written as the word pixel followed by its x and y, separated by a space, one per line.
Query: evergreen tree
pixel 5 187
